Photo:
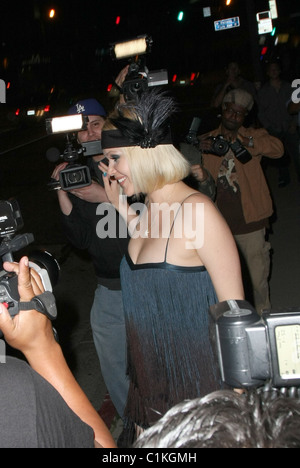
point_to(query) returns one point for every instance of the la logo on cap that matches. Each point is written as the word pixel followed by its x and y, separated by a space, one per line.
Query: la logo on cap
pixel 80 108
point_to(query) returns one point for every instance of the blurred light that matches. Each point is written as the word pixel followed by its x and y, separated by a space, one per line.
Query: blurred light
pixel 193 76
pixel 228 2
pixel 174 78
pixel 8 85
pixel 295 41
pixel 283 38
pixel 51 13
pixel 66 123
pixel 131 48
pixel 109 87
pixel 180 16
pixel 17 112
pixel 47 108
pixel 273 9
pixel 206 12
pixel 118 19
pixel 264 50
pixel 273 31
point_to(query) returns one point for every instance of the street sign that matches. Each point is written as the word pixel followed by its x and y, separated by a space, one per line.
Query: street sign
pixel 228 23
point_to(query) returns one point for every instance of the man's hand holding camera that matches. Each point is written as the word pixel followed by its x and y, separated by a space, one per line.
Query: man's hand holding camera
pixel 205 145
pixel 93 193
pixel 220 145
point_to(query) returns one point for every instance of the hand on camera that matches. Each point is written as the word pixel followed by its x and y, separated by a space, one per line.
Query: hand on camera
pixel 205 145
pixel 198 172
pixel 29 330
pixel 58 169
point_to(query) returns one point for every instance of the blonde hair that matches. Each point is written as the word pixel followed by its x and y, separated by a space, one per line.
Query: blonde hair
pixel 152 168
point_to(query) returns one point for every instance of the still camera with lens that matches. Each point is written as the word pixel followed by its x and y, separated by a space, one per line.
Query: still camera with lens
pixel 220 146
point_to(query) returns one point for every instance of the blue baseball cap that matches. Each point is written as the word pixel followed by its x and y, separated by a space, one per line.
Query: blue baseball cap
pixel 87 107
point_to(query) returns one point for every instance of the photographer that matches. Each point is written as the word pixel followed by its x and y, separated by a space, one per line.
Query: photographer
pixel 80 222
pixel 242 193
pixel 42 406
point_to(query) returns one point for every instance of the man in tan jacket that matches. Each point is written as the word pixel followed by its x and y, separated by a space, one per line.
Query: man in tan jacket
pixel 232 154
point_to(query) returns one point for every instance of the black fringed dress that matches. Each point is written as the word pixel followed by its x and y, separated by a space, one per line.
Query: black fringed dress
pixel 170 357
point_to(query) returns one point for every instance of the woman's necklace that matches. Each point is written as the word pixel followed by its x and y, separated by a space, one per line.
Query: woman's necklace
pixel 159 207
pixel 153 219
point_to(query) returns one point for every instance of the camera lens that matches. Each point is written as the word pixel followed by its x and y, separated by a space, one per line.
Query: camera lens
pixel 221 147
pixel 46 260
pixel 75 177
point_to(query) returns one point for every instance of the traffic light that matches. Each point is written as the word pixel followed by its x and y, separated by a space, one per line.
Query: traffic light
pixel 180 16
pixel 51 13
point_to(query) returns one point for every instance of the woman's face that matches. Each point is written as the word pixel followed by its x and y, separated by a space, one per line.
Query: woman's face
pixel 119 169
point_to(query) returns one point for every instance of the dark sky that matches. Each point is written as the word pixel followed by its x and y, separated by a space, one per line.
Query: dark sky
pixel 77 39
pixel 91 24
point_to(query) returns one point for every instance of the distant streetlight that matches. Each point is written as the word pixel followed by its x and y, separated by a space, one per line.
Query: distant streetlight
pixel 51 13
pixel 228 2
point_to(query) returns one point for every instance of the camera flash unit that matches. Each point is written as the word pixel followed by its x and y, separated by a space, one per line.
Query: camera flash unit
pixel 68 123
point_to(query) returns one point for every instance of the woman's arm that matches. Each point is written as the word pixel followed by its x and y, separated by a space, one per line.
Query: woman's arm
pixel 218 252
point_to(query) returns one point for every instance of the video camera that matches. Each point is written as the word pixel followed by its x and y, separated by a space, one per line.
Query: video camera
pixel 254 349
pixel 74 175
pixel 138 78
pixel 43 262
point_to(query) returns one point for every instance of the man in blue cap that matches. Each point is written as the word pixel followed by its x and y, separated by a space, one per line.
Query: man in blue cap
pixel 80 219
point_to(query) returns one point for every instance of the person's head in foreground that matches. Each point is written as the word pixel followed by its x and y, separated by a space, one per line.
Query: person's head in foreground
pixel 225 419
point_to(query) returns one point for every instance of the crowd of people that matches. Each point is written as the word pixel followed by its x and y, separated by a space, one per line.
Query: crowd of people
pixel 181 253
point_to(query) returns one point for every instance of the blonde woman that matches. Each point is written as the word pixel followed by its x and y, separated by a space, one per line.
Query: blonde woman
pixel 181 259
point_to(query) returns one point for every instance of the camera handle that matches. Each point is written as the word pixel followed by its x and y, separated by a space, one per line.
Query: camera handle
pixel 10 245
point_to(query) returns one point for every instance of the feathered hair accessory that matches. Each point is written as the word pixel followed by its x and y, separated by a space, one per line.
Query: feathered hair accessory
pixel 143 123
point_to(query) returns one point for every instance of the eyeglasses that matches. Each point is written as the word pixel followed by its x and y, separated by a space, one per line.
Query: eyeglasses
pixel 232 112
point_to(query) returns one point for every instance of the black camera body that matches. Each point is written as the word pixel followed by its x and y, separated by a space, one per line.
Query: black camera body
pixel 43 262
pixel 254 349
pixel 220 147
pixel 75 175
pixel 138 79
pixel 9 291
pixel 135 82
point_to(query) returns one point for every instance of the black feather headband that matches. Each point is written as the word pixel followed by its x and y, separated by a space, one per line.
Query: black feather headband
pixel 148 125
